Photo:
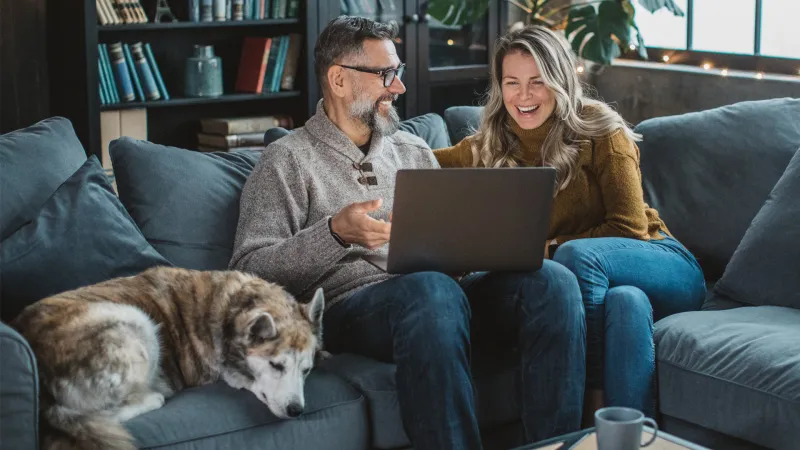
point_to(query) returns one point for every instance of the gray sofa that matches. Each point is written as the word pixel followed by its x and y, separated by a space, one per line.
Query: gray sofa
pixel 708 174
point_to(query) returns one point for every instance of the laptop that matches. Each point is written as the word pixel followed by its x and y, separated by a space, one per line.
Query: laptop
pixel 468 220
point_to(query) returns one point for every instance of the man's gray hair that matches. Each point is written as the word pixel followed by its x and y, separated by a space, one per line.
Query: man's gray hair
pixel 344 36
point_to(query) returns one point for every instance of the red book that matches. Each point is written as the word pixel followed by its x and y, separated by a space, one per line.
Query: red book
pixel 253 64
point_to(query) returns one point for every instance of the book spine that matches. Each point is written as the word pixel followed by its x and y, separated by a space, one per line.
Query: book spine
pixel 228 9
pixel 148 82
pixel 101 84
pixel 238 9
pixel 110 83
pixel 207 10
pixel 194 10
pixel 276 80
pixel 111 11
pixel 294 9
pixel 132 68
pixel 140 14
pixel 219 10
pixel 290 71
pixel 148 53
pixel 121 72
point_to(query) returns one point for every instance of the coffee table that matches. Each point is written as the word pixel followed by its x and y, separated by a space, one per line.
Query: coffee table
pixel 586 440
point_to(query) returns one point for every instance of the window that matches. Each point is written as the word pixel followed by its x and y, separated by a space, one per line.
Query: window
pixel 744 27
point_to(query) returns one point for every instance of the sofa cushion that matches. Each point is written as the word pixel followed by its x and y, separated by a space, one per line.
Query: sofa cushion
pixel 735 371
pixel 430 127
pixel 19 392
pixel 217 416
pixel 462 121
pixel 82 236
pixel 708 173
pixel 35 161
pixel 497 396
pixel 764 268
pixel 186 203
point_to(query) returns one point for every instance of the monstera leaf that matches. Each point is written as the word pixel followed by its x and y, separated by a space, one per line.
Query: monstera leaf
pixel 590 31
pixel 458 12
pixel 655 5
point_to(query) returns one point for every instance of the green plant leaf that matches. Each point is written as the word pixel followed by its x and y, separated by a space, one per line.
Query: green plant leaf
pixel 590 31
pixel 655 5
pixel 458 12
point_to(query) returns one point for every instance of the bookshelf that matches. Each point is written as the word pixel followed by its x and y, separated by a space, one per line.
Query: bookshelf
pixel 73 34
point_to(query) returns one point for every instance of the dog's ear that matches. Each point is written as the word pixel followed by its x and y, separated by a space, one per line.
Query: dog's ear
pixel 314 309
pixel 262 328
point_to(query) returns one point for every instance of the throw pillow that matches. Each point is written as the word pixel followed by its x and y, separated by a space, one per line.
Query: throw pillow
pixel 82 235
pixel 186 203
pixel 430 127
pixel 763 269
pixel 34 162
pixel 462 121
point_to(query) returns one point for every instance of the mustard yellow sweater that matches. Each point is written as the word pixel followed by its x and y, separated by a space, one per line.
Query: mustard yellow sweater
pixel 604 197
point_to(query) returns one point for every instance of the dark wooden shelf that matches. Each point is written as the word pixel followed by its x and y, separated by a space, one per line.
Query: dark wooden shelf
pixel 184 101
pixel 201 25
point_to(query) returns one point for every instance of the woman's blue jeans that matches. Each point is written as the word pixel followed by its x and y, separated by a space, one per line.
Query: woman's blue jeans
pixel 627 285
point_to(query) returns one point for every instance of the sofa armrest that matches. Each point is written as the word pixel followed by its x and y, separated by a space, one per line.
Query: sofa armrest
pixel 19 392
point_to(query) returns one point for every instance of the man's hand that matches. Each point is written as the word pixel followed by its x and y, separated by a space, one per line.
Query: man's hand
pixel 354 226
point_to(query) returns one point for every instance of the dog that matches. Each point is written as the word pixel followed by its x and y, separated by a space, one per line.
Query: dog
pixel 111 351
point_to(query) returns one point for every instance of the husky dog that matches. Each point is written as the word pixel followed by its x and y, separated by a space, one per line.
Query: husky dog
pixel 111 351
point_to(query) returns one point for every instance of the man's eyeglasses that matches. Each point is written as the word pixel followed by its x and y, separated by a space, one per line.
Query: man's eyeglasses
pixel 387 74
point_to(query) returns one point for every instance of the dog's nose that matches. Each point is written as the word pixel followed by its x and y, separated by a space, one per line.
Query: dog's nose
pixel 294 410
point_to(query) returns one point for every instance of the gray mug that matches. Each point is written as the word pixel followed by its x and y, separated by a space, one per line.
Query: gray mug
pixel 621 428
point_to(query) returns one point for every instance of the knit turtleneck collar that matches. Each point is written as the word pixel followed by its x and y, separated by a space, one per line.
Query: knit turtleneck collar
pixel 534 138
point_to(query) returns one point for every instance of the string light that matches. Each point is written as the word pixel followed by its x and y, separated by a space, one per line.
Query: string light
pixel 706 66
pixel 760 75
pixel 449 42
pixel 580 69
pixel 665 58
pixel 724 72
pixel 632 47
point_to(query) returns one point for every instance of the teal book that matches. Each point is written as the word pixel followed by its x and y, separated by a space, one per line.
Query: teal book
pixel 132 69
pixel 145 73
pixel 156 72
pixel 121 74
pixel 276 81
pixel 110 82
pixel 272 62
pixel 294 7
pixel 100 87
pixel 105 98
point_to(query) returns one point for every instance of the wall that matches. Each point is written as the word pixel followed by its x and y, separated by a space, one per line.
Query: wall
pixel 644 90
pixel 24 89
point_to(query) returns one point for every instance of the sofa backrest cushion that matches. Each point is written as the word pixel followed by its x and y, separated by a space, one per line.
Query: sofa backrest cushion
pixel 186 203
pixel 765 268
pixel 34 162
pixel 81 235
pixel 430 127
pixel 708 173
pixel 462 121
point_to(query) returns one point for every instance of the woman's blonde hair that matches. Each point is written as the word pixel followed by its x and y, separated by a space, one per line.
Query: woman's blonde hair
pixel 495 145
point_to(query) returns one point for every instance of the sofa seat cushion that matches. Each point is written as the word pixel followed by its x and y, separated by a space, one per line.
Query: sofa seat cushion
pixel 35 161
pixel 735 371
pixel 764 268
pixel 82 235
pixel 497 396
pixel 708 173
pixel 217 416
pixel 186 203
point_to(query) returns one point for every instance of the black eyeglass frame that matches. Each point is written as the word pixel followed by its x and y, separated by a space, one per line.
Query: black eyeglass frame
pixel 387 81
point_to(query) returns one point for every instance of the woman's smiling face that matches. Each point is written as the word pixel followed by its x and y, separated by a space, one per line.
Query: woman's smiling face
pixel 525 95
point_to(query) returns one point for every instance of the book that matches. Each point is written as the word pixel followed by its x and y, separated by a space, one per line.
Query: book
pixel 145 74
pixel 121 74
pixel 148 52
pixel 271 65
pixel 207 10
pixel 241 125
pixel 105 90
pixel 292 55
pixel 226 141
pixel 132 69
pixel 252 64
pixel 111 86
pixel 276 79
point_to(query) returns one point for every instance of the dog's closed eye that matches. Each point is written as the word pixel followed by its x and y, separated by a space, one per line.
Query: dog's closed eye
pixel 276 366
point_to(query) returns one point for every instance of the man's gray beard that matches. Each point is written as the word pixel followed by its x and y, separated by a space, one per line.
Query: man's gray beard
pixel 366 112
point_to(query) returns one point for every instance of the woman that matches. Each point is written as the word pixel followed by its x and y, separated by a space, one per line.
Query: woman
pixel 630 269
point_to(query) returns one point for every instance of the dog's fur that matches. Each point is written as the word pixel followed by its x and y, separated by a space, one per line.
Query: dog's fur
pixel 114 350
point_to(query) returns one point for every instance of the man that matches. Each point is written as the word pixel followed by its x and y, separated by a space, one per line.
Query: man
pixel 321 197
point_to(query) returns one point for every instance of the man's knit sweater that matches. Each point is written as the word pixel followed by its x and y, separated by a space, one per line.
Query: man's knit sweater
pixel 301 181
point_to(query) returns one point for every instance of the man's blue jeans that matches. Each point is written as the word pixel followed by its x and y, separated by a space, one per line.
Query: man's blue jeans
pixel 425 323
pixel 627 285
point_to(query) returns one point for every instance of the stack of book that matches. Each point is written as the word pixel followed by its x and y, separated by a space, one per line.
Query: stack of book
pixel 238 133
pixel 129 73
pixel 116 12
pixel 221 10
pixel 268 64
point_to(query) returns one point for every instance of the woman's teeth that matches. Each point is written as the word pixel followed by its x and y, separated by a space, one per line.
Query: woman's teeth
pixel 527 109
